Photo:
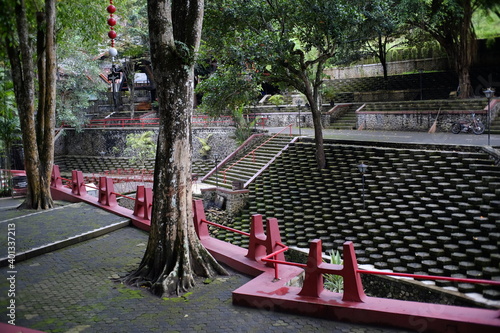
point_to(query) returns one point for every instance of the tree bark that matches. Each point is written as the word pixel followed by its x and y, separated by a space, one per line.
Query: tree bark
pixel 37 137
pixel 174 254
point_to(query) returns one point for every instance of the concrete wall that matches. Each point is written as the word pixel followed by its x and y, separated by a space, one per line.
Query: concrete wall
pixel 417 121
pixel 112 142
pixel 283 119
pixel 396 67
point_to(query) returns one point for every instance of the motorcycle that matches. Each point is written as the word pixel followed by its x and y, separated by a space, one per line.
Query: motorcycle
pixel 476 126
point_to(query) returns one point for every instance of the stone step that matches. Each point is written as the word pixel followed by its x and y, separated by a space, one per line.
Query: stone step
pixel 434 197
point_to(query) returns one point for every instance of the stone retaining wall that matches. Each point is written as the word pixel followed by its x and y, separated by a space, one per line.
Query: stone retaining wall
pixel 234 200
pixel 111 142
pixel 412 121
pixel 396 67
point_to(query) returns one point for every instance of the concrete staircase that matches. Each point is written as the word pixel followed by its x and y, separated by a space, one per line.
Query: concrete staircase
pixel 240 170
pixel 348 121
pixel 495 126
pixel 449 105
pixel 426 211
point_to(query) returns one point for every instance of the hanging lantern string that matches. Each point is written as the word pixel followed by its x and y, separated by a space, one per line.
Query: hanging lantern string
pixel 112 22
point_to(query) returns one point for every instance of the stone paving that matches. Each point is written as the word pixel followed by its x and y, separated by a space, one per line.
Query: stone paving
pixel 71 290
pixel 40 228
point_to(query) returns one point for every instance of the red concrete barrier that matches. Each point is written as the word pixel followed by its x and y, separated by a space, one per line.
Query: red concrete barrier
pixel 107 197
pixel 143 202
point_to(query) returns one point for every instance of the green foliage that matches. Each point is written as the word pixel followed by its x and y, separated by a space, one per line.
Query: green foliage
pixel 277 100
pixel 285 43
pixel 228 88
pixel 486 24
pixel 334 282
pixel 78 85
pixel 205 147
pixel 329 92
pixel 9 121
pixel 244 128
pixel 85 23
pixel 140 147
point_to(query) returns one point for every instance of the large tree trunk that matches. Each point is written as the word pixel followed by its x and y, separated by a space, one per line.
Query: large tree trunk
pixel 38 138
pixel 464 52
pixel 174 255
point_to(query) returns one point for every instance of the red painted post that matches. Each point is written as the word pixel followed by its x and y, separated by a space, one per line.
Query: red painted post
pixel 313 281
pixel 257 242
pixel 198 216
pixel 143 202
pixel 273 239
pixel 353 286
pixel 262 244
pixel 77 183
pixel 106 192
pixel 55 178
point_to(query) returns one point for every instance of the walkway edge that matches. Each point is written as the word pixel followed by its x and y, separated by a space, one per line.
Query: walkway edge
pixel 25 255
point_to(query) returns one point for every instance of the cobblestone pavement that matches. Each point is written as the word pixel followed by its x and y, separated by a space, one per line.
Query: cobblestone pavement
pixel 71 290
pixel 439 138
pixel 39 228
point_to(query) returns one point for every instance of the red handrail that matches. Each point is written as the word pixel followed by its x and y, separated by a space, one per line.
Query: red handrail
pixel 277 262
pixel 285 248
pixel 96 188
pixel 226 228
pixel 142 122
pixel 431 277
pixel 253 151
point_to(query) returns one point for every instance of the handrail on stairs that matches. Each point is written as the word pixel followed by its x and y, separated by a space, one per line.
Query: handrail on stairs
pixel 253 151
pixel 230 156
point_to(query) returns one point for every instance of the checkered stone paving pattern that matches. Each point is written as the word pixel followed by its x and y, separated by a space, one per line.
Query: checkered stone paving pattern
pixel 71 290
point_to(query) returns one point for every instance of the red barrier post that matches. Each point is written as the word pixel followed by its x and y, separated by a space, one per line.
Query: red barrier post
pixel 107 196
pixel 353 286
pixel 143 202
pixel 257 242
pixel 77 183
pixel 198 217
pixel 55 177
pixel 262 244
pixel 313 280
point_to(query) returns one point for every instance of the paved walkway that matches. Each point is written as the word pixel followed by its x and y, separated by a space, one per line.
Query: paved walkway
pixel 403 137
pixel 71 289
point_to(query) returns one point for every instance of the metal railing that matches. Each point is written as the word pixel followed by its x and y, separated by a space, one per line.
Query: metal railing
pixel 69 183
pixel 334 268
pixel 202 121
pixel 252 153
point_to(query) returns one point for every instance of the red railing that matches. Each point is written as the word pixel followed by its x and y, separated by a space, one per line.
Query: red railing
pixel 431 277
pixel 273 255
pixel 314 268
pixel 70 182
pixel 123 122
pixel 226 228
pixel 252 153
pixel 204 121
pixel 333 269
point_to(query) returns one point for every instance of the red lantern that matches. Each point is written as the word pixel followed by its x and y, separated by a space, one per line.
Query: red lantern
pixel 112 34
pixel 111 9
pixel 111 21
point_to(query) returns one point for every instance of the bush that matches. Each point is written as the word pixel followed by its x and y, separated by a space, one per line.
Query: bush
pixel 334 282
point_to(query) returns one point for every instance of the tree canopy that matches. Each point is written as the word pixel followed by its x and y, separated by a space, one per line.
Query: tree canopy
pixel 450 24
pixel 283 42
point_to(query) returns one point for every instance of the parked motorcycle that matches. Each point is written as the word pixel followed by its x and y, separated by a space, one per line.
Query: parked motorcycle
pixel 475 126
